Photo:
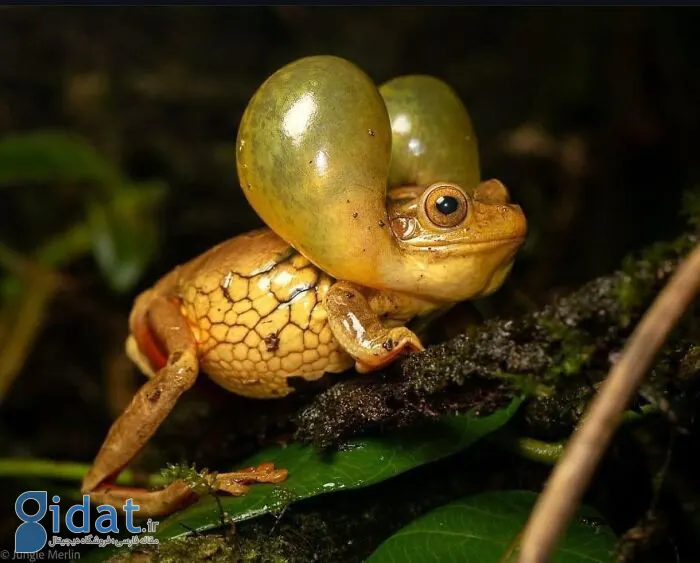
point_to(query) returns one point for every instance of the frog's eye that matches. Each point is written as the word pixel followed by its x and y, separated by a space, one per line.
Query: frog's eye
pixel 445 205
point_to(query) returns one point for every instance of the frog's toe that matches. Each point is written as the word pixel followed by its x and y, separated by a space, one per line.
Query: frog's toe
pixel 231 487
pixel 402 340
pixel 236 483
pixel 398 342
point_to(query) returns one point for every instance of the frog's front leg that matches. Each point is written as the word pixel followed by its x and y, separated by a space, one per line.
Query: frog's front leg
pixel 147 410
pixel 361 333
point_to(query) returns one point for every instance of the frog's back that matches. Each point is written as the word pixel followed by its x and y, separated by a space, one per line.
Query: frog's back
pixel 255 307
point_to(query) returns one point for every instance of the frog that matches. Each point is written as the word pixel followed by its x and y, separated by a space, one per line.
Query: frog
pixel 375 215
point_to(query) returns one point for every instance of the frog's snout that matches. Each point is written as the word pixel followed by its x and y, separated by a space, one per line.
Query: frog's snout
pixel 515 217
pixel 508 221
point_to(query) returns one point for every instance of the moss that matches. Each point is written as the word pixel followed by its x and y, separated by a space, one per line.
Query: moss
pixel 198 481
pixel 211 548
pixel 254 546
pixel 690 364
pixel 691 207
pixel 628 296
pixel 574 352
pixel 267 548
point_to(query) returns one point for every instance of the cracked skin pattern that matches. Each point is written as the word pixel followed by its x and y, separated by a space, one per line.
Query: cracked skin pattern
pixel 258 317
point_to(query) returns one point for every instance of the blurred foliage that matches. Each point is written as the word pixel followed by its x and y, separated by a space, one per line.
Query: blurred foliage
pixel 115 227
pixel 54 158
pixel 116 223
pixel 124 239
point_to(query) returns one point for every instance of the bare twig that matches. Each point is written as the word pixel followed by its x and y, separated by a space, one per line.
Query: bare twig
pixel 586 447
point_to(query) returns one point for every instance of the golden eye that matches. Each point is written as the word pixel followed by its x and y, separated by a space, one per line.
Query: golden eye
pixel 446 205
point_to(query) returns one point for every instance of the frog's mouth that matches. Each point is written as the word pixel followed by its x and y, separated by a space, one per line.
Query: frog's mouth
pixel 472 247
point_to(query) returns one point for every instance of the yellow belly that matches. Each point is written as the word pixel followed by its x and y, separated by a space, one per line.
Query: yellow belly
pixel 254 332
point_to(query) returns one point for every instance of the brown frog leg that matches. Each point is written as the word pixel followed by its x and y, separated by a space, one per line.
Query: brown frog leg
pixel 360 332
pixel 144 414
pixel 147 410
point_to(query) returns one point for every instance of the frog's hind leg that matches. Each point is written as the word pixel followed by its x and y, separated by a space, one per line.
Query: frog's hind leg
pixel 145 413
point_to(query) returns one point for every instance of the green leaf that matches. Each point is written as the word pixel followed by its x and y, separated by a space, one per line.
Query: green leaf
pixel 53 157
pixel 361 463
pixel 481 528
pixel 124 234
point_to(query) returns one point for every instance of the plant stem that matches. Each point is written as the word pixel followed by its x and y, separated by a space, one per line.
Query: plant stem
pixel 532 449
pixel 548 453
pixel 22 323
pixel 65 471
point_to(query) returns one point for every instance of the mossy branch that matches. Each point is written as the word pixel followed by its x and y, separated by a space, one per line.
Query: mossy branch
pixel 567 346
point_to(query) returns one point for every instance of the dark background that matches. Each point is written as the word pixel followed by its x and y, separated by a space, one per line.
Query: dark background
pixel 588 115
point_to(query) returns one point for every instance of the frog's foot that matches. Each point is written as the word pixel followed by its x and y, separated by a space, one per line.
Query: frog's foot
pixel 396 342
pixel 178 494
pixel 236 483
pixel 361 333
